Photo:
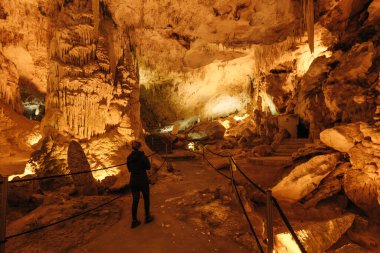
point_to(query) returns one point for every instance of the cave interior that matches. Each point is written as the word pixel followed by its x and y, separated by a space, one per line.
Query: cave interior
pixel 233 101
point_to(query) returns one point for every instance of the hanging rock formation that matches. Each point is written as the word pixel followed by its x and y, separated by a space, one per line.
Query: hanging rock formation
pixel 9 89
pixel 93 83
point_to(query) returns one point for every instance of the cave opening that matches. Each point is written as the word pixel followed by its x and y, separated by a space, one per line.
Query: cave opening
pixel 303 129
pixel 32 99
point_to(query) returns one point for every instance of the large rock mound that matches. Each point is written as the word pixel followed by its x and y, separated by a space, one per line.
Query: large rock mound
pixel 84 183
pixel 362 180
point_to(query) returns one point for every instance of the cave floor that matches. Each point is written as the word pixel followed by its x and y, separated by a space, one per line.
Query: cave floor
pixel 195 210
pixel 175 228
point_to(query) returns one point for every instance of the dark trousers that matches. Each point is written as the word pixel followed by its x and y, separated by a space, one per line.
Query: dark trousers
pixel 136 189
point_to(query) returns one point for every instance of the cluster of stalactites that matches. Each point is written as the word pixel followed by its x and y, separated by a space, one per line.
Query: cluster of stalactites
pixel 90 81
pixel 9 88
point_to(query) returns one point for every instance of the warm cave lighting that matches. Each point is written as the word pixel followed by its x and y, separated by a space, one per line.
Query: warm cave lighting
pixel 28 171
pixel 191 146
pixel 33 139
pixel 240 118
pixel 226 124
pixel 268 103
pixel 167 129
pixel 222 106
pixel 102 174
pixel 286 243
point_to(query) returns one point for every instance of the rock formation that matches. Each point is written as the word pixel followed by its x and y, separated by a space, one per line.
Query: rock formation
pixel 9 89
pixel 317 237
pixel 77 162
pixel 305 177
pixel 229 74
pixel 361 181
pixel 92 84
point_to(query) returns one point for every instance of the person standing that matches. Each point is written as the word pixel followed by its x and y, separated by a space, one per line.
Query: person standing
pixel 137 164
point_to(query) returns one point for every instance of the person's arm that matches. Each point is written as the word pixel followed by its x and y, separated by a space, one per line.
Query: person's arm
pixel 146 162
pixel 128 166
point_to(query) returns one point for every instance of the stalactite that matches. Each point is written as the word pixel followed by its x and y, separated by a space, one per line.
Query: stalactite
pixel 9 88
pixel 80 87
pixel 96 13
pixel 308 13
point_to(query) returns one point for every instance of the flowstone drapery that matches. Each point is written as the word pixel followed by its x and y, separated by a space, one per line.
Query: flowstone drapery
pixel 92 82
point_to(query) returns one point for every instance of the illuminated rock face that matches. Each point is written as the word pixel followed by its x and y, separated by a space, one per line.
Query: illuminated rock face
pixel 196 55
pixel 77 162
pixel 361 180
pixel 9 89
pixel 342 138
pixel 305 178
pixel 23 33
pixel 92 84
pixel 316 237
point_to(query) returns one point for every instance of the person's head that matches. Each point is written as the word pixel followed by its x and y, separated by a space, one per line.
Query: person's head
pixel 136 145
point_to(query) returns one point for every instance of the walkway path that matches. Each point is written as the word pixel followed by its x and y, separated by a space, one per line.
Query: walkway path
pixel 167 234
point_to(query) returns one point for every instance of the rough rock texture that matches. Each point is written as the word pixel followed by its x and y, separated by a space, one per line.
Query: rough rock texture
pixel 316 237
pixel 350 248
pixel 23 33
pixel 50 159
pixel 25 196
pixel 342 138
pixel 342 87
pixel 187 48
pixel 309 151
pixel 18 139
pixel 305 177
pixel 374 12
pixel 329 186
pixel 92 83
pixel 70 236
pixel 77 162
pixel 207 131
pixel 9 89
pixel 362 180
pixel 339 13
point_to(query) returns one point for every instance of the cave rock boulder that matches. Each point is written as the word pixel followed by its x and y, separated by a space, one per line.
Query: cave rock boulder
pixel 362 181
pixel 85 183
pixel 316 237
pixel 342 138
pixel 329 186
pixel 305 177
pixel 354 64
pixel 374 12
pixel 207 131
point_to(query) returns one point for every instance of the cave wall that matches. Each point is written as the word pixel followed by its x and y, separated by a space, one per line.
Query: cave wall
pixel 191 52
pixel 92 84
pixel 344 87
pixel 199 59
pixel 23 32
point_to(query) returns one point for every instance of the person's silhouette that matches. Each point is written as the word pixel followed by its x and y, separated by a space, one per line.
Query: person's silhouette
pixel 138 163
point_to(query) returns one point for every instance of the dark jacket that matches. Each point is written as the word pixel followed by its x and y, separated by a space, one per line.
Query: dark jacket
pixel 138 163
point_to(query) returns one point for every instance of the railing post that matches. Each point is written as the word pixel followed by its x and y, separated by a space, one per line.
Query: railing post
pixel 3 212
pixel 270 222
